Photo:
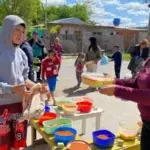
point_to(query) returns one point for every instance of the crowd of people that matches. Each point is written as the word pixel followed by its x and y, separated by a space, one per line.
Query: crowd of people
pixel 16 77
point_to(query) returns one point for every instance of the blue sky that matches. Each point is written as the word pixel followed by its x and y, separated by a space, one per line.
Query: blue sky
pixel 131 12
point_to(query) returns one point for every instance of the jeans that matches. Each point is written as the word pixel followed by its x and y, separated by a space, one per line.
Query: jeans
pixel 117 71
pixel 145 136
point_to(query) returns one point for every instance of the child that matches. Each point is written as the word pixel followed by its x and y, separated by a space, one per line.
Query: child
pixel 117 58
pixel 79 64
pixel 50 70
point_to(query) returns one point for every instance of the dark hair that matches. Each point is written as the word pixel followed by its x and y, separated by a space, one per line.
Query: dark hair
pixel 116 46
pixel 80 55
pixel 50 51
pixel 93 44
pixel 34 33
pixel 23 25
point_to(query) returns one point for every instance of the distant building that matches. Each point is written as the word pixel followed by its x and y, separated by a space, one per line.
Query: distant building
pixel 75 33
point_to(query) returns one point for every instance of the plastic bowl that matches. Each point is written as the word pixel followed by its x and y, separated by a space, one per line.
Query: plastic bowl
pixel 47 116
pixel 84 106
pixel 61 102
pixel 69 109
pixel 103 142
pixel 128 131
pixel 51 125
pixel 64 138
pixel 78 144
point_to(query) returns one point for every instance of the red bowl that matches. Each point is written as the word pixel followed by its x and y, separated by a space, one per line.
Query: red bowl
pixel 84 106
pixel 47 116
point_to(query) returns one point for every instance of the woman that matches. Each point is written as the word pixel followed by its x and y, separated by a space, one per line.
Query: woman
pixel 58 48
pixel 138 91
pixel 139 54
pixel 38 51
pixel 92 56
pixel 13 82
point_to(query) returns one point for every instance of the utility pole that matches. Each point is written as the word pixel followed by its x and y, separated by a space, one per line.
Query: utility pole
pixel 46 14
pixel 148 30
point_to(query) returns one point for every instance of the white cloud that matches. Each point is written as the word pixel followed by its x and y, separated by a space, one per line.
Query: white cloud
pixel 135 6
pixel 139 13
pixel 116 2
pixel 54 2
pixel 127 22
pixel 100 16
pixel 143 23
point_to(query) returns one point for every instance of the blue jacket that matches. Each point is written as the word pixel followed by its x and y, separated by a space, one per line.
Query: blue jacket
pixel 117 58
pixel 29 53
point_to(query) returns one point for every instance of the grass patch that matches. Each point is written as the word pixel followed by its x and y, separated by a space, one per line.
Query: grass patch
pixel 126 57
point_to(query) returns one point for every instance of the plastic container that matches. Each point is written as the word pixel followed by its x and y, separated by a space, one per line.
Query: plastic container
pixel 65 138
pixel 103 143
pixel 69 109
pixel 51 125
pixel 47 116
pixel 128 130
pixel 84 106
pixel 77 145
pixel 62 101
pixel 47 108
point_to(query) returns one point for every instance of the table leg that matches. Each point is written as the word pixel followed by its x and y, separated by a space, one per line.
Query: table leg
pixel 83 126
pixel 33 135
pixel 98 122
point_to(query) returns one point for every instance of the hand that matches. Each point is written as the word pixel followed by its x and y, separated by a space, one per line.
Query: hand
pixel 108 90
pixel 35 39
pixel 28 95
pixel 19 89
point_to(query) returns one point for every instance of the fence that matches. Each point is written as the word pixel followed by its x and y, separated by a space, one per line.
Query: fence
pixel 72 43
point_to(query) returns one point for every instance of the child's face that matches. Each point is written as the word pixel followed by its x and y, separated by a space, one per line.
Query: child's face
pixel 81 57
pixel 51 55
pixel 18 34
pixel 116 49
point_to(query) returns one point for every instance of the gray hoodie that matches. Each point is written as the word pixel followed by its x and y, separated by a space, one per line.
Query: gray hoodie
pixel 14 65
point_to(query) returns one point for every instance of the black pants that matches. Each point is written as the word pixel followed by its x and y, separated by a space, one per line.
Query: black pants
pixel 145 136
pixel 117 71
pixel 39 65
pixel 78 76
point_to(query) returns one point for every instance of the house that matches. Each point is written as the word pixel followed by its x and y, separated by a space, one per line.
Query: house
pixel 75 33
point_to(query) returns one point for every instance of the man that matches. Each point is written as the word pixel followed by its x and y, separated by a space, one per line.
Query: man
pixel 38 51
pixel 25 46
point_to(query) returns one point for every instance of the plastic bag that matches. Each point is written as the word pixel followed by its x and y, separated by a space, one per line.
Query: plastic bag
pixel 104 60
pixel 35 107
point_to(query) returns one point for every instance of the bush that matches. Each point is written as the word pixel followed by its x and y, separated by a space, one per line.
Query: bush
pixel 126 56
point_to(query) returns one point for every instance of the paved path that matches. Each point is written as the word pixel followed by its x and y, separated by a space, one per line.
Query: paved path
pixel 115 109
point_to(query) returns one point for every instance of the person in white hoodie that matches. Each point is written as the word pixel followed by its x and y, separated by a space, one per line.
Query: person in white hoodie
pixel 13 83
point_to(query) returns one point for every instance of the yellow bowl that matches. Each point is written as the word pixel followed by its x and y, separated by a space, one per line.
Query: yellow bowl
pixel 69 109
pixel 128 131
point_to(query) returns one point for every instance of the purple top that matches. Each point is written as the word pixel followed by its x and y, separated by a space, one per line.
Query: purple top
pixel 137 90
pixel 58 49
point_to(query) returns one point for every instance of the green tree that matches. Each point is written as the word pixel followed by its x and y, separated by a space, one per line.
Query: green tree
pixel 80 11
pixel 30 10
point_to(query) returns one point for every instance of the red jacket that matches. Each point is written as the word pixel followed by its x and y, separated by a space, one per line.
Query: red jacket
pixel 50 67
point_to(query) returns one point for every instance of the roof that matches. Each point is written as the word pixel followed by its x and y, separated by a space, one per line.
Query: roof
pixel 74 21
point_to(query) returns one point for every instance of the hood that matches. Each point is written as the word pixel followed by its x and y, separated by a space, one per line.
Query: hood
pixel 8 25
